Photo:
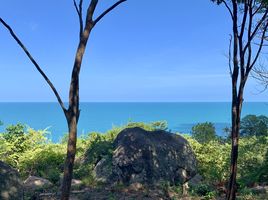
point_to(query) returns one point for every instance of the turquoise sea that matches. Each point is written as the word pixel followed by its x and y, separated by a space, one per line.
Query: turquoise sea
pixel 103 116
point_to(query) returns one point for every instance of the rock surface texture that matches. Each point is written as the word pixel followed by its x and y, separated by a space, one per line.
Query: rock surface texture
pixel 148 157
pixel 10 184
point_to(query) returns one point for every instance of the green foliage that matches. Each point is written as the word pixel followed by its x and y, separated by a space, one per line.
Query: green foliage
pixel 158 125
pixel 254 125
pixel 44 161
pixel 252 160
pixel 33 154
pixel 204 190
pixel 213 159
pixel 204 132
pixel 1 123
pixel 16 140
pixel 15 135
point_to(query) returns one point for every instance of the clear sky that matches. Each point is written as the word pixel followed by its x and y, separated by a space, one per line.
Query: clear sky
pixel 145 50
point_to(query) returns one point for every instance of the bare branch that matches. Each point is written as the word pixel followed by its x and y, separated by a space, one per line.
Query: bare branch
pixel 249 49
pixel 240 38
pixel 229 9
pixel 260 46
pixel 244 20
pixel 107 11
pixel 258 9
pixel 261 75
pixel 257 28
pixel 80 15
pixel 230 55
pixel 235 44
pixel 35 63
pixel 76 7
pixel 91 10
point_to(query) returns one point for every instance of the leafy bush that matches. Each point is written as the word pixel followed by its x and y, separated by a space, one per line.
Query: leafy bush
pixel 213 159
pixel 252 160
pixel 16 140
pixel 45 161
pixel 204 190
pixel 204 132
pixel 31 152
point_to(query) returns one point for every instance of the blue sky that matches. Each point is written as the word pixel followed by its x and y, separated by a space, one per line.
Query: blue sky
pixel 145 50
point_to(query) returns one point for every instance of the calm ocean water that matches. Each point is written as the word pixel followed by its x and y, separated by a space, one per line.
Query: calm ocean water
pixel 103 116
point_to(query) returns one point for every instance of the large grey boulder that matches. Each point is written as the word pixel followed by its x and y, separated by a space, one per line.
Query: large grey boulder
pixel 10 184
pixel 148 157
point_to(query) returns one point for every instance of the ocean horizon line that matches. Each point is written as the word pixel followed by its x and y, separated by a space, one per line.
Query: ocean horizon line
pixel 101 116
pixel 133 102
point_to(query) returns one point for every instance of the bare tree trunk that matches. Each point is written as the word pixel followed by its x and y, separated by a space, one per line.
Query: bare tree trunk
pixel 69 161
pixel 237 103
pixel 232 187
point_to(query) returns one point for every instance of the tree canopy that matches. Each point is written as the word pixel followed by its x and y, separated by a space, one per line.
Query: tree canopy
pixel 252 125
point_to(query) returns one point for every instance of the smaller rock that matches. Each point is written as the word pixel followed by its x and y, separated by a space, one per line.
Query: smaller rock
pixel 76 184
pixel 260 189
pixel 34 185
pixel 34 182
pixel 103 170
pixel 196 180
pixel 135 187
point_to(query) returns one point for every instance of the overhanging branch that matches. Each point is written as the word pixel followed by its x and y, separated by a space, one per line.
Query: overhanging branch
pixel 228 8
pixel 107 11
pixel 34 63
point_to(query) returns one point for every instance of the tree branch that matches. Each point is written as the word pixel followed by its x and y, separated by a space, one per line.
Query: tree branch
pixel 257 28
pixel 35 63
pixel 261 75
pixel 249 49
pixel 230 56
pixel 229 9
pixel 258 9
pixel 80 15
pixel 260 46
pixel 107 11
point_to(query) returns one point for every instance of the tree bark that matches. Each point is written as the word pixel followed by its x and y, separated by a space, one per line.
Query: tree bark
pixel 237 103
pixel 69 161
pixel 232 187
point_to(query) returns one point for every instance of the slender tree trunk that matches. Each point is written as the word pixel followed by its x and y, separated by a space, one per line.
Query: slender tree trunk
pixel 234 154
pixel 237 103
pixel 69 161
